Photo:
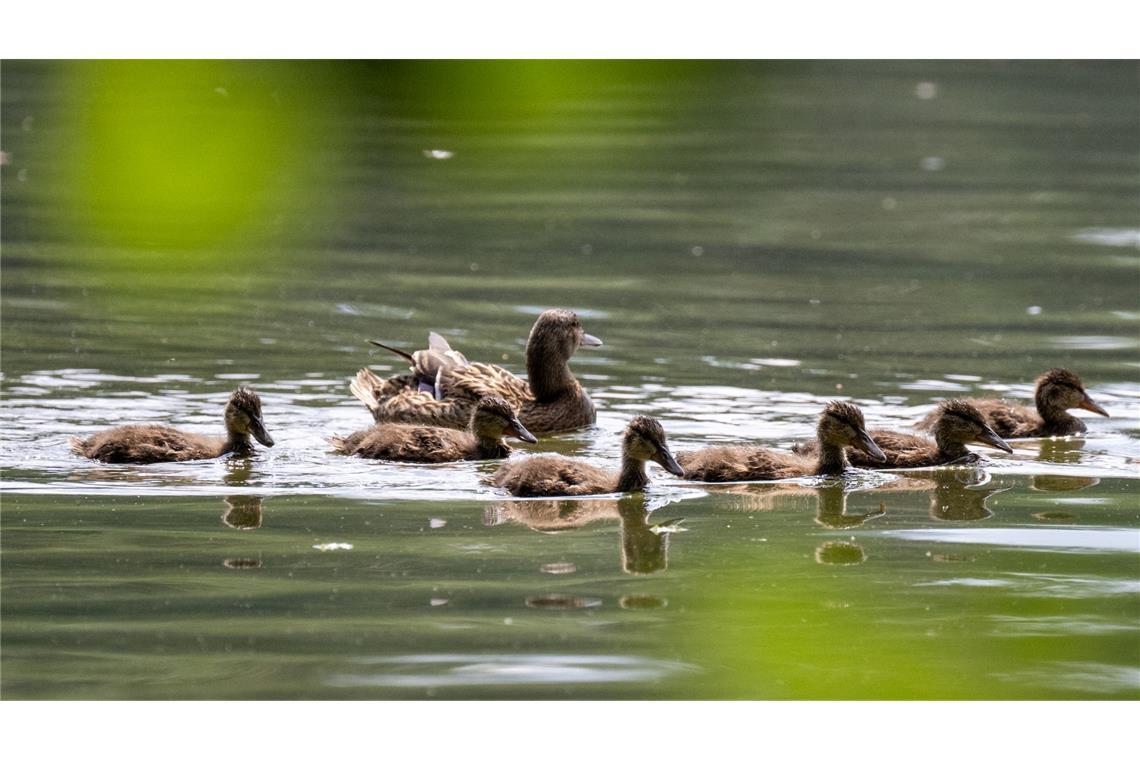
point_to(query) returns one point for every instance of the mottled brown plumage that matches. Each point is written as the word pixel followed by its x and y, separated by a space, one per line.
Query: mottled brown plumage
pixel 443 385
pixel 491 419
pixel 146 444
pixel 552 475
pixel 956 424
pixel 1057 391
pixel 840 425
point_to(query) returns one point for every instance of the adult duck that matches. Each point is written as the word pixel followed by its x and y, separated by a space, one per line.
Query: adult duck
pixel 443 385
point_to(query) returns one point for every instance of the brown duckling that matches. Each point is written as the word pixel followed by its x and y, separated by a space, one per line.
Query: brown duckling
pixel 443 386
pixel 552 475
pixel 840 425
pixel 145 444
pixel 1057 391
pixel 956 424
pixel 491 419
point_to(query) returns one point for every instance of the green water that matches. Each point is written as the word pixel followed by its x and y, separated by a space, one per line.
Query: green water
pixel 749 241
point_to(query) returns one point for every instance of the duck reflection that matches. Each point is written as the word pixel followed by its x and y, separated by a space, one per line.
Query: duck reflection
pixel 1061 482
pixel 644 547
pixel 242 512
pixel 955 493
pixel 1060 450
pixel 839 553
pixel 829 501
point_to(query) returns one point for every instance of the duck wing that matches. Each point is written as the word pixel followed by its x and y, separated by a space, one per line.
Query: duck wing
pixel 428 363
pixel 474 381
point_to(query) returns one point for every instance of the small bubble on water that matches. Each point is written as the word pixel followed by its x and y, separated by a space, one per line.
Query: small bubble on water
pixel 890 204
pixel 697 251
pixel 1033 310
pixel 438 154
pixel 933 163
pixel 816 234
pixel 436 522
pixel 926 91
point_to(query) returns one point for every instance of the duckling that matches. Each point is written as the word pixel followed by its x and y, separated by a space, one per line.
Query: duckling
pixel 146 444
pixel 443 386
pixel 553 475
pixel 956 423
pixel 491 419
pixel 1057 390
pixel 840 425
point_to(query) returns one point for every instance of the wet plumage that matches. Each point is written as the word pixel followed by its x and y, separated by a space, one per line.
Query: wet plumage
pixel 552 475
pixel 443 386
pixel 491 420
pixel 1056 391
pixel 840 426
pixel 146 444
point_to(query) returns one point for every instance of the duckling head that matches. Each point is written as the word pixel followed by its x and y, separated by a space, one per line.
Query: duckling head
pixel 494 418
pixel 841 424
pixel 959 422
pixel 558 332
pixel 645 441
pixel 1060 389
pixel 243 416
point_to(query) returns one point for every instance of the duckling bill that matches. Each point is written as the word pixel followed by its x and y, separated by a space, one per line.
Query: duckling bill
pixel 147 444
pixel 840 427
pixel 552 475
pixel 491 420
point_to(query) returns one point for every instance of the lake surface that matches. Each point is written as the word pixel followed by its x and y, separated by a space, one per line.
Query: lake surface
pixel 748 240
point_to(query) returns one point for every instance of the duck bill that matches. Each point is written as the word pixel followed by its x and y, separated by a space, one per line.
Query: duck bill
pixel 868 446
pixel 257 427
pixel 589 341
pixel 990 438
pixel 666 460
pixel 1091 406
pixel 516 430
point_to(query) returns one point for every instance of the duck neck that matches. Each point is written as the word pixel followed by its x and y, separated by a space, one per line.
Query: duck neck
pixel 633 477
pixel 490 447
pixel 832 459
pixel 949 447
pixel 1057 419
pixel 237 443
pixel 547 372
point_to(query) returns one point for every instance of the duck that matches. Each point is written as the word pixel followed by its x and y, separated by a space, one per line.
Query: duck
pixel 1056 391
pixel 147 444
pixel 956 423
pixel 490 421
pixel 840 426
pixel 553 475
pixel 443 385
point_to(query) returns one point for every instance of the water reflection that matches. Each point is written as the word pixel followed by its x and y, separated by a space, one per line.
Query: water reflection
pixel 1061 483
pixel 1061 450
pixel 242 512
pixel 955 493
pixel 839 553
pixel 829 501
pixel 644 547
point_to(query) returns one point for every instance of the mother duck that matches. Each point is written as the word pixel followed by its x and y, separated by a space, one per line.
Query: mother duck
pixel 444 386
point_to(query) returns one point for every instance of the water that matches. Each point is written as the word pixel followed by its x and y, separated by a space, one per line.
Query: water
pixel 749 241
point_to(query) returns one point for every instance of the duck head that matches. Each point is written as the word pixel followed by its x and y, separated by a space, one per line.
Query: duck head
pixel 959 423
pixel 243 416
pixel 494 418
pixel 1060 389
pixel 558 332
pixel 645 441
pixel 841 424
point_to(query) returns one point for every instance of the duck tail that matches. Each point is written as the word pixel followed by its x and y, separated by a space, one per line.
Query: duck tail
pixel 365 386
pixel 338 443
pixel 75 443
pixel 396 351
